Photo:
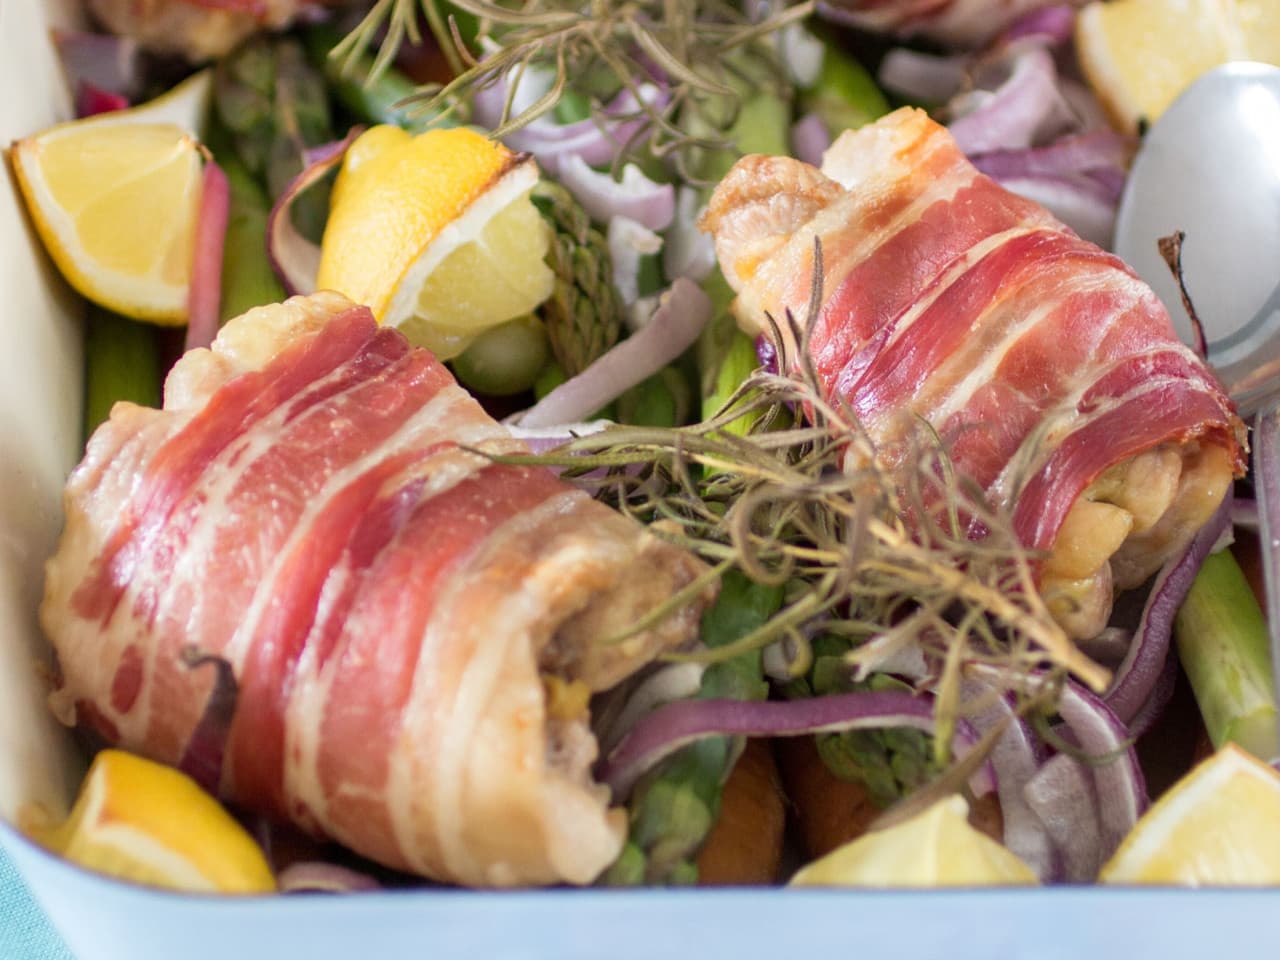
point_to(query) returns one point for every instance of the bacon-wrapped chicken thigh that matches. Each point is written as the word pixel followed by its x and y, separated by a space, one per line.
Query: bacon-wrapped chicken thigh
pixel 415 630
pixel 1049 369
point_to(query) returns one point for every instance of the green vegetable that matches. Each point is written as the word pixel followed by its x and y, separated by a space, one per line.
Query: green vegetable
pixel 506 359
pixel 122 362
pixel 275 105
pixel 247 278
pixel 726 356
pixel 662 400
pixel 845 96
pixel 1222 641
pixel 584 313
pixel 369 99
pixel 675 805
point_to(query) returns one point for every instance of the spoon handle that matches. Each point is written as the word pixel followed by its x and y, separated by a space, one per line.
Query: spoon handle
pixel 1266 453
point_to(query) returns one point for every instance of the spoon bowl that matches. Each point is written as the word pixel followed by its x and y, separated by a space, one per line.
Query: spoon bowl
pixel 1210 167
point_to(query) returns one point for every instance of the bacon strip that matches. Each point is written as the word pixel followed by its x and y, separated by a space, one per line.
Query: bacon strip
pixel 303 509
pixel 1040 359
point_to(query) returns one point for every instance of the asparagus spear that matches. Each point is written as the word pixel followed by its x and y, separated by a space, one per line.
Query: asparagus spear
pixel 368 98
pixel 1222 641
pixel 275 106
pixel 584 314
pixel 122 362
pixel 674 807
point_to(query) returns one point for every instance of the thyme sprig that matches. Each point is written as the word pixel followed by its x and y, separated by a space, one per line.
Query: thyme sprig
pixel 698 49
pixel 803 501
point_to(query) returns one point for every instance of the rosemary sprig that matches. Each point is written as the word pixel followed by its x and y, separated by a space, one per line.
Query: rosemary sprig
pixel 596 48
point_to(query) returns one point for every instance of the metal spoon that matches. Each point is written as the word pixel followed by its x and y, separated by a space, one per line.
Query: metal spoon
pixel 1210 167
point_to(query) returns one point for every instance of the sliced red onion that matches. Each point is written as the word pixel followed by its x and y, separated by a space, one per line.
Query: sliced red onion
pixel 1063 797
pixel 596 142
pixel 1054 25
pixel 1122 789
pixel 667 729
pixel 1149 713
pixel 1095 151
pixel 202 758
pixel 1078 201
pixel 629 242
pixel 767 354
pixel 204 296
pixel 676 681
pixel 810 139
pixel 294 258
pixel 1244 513
pixel 317 876
pixel 1141 669
pixel 1108 648
pixel 1016 758
pixel 687 251
pixel 105 61
pixel 92 100
pixel 636 197
pixel 1266 480
pixel 543 439
pixel 684 311
pixel 1025 108
pixel 926 77
pixel 802 53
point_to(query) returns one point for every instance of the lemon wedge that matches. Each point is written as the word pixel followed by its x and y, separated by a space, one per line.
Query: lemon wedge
pixel 1138 55
pixel 1218 826
pixel 144 822
pixel 935 848
pixel 436 234
pixel 115 198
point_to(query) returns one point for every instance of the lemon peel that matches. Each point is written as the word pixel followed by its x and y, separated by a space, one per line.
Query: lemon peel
pixel 437 234
pixel 1217 826
pixel 937 847
pixel 141 821
pixel 1138 55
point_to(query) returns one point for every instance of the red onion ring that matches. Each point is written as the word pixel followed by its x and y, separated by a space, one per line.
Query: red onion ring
pixel 1266 473
pixel 317 876
pixel 595 141
pixel 667 729
pixel 105 61
pixel 294 258
pixel 922 76
pixel 1024 108
pixel 1122 789
pixel 1064 798
pixel 682 313
pixel 1053 25
pixel 92 100
pixel 810 139
pixel 1016 758
pixel 1102 151
pixel 687 251
pixel 636 197
pixel 204 295
pixel 202 758
pixel 1140 670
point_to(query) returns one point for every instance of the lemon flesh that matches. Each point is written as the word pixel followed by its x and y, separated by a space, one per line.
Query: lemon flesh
pixel 436 234
pixel 1139 55
pixel 141 821
pixel 116 206
pixel 1218 826
pixel 936 848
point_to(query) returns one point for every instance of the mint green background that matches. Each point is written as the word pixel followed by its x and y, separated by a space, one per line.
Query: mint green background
pixel 25 933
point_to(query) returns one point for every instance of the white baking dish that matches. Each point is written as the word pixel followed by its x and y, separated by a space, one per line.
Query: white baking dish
pixel 40 410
